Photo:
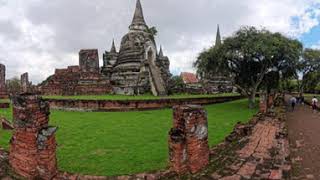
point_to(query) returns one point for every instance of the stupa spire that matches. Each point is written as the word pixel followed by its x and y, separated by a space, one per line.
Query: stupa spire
pixel 113 47
pixel 160 52
pixel 218 37
pixel 138 18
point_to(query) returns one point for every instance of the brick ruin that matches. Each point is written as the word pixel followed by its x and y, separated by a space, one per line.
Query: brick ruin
pixel 266 101
pixel 32 153
pixel 33 145
pixel 255 150
pixel 3 92
pixel 85 79
pixel 24 81
pixel 136 69
pixel 188 141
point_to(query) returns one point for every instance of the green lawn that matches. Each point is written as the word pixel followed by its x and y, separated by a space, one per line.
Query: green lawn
pixel 117 143
pixel 142 97
pixel 4 100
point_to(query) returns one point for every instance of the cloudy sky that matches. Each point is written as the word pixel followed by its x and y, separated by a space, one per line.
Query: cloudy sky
pixel 37 36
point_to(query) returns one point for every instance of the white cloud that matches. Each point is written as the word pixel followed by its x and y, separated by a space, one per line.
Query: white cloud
pixel 38 35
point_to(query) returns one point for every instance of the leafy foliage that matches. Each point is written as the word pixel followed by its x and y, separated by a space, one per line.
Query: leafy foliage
pixel 250 55
pixel 153 30
pixel 309 67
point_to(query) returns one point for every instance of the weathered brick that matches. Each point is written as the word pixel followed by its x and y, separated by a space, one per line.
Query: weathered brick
pixel 33 145
pixel 188 142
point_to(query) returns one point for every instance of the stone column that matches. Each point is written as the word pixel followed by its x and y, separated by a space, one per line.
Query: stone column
pixel 188 141
pixel 32 146
pixel 24 82
pixel 263 107
pixel 3 93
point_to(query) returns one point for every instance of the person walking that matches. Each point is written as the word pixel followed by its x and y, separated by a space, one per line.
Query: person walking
pixel 314 104
pixel 293 102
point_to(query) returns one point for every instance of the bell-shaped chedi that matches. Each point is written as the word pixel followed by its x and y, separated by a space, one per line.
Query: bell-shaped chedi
pixel 136 70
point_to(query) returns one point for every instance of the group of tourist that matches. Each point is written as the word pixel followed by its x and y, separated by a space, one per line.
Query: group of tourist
pixel 300 100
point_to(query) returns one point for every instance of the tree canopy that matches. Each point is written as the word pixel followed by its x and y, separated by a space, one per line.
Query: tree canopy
pixel 251 56
pixel 309 67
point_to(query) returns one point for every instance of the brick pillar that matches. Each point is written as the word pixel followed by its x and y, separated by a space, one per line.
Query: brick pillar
pixel 271 100
pixel 3 93
pixel 178 151
pixel 24 82
pixel 32 146
pixel 188 141
pixel 263 107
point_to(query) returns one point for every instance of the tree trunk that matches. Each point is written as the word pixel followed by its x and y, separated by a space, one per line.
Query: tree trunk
pixel 252 100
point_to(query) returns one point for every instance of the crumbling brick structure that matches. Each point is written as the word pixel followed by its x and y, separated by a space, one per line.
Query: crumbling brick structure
pixel 3 92
pixel 33 145
pixel 24 82
pixel 84 79
pixel 263 103
pixel 89 60
pixel 188 139
pixel 271 98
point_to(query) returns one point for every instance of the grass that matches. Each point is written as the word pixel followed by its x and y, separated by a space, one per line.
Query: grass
pixel 117 143
pixel 4 100
pixel 141 97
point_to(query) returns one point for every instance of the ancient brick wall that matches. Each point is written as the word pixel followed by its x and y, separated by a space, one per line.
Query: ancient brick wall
pixel 4 105
pixel 188 141
pixel 129 105
pixel 32 146
pixel 72 81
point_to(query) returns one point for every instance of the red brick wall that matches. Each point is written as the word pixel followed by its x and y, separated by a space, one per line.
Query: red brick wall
pixel 33 145
pixel 128 105
pixel 72 82
pixel 4 105
pixel 188 140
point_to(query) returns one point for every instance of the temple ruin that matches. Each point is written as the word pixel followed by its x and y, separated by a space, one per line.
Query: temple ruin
pixel 85 79
pixel 3 92
pixel 217 81
pixel 137 68
pixel 24 81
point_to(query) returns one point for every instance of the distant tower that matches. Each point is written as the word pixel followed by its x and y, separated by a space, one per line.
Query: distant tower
pixel 218 37
pixel 109 60
pixel 113 48
pixel 160 52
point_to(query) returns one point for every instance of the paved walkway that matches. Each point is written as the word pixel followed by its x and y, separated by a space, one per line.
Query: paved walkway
pixel 304 136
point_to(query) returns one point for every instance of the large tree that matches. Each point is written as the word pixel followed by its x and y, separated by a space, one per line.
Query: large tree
pixel 309 67
pixel 250 55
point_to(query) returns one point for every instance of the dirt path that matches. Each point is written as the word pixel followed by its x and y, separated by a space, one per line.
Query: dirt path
pixel 304 136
